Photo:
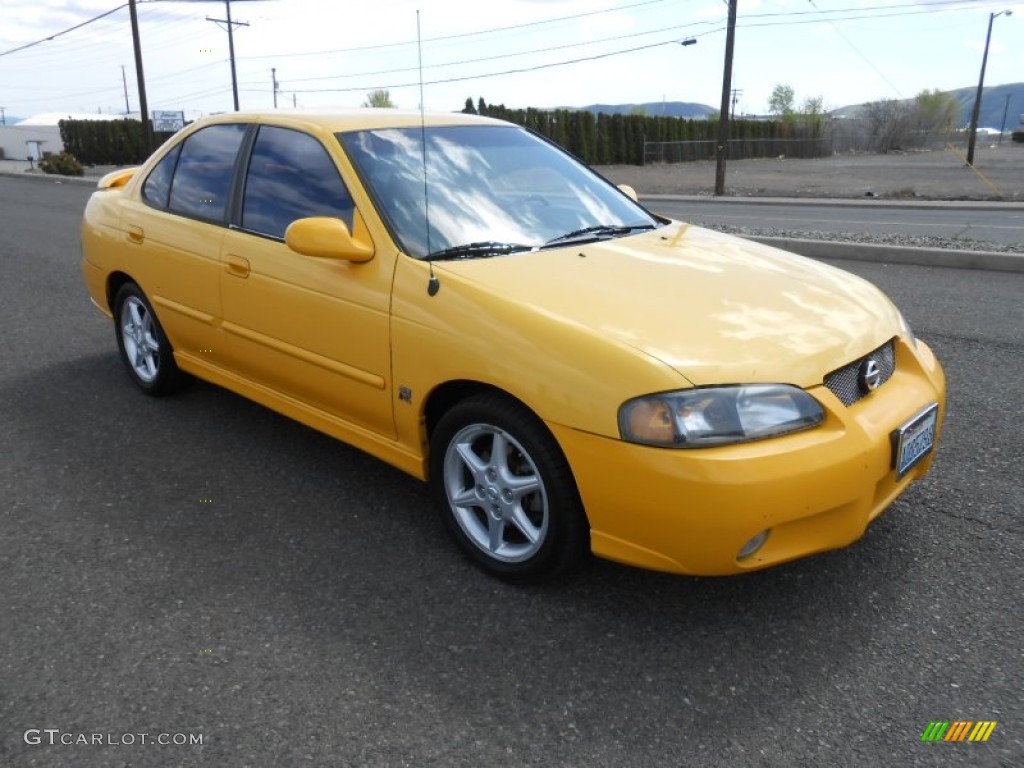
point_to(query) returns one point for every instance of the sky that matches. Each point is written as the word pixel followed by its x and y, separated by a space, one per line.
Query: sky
pixel 521 53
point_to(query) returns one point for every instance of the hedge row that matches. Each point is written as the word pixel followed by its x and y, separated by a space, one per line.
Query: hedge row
pixel 620 139
pixel 107 142
pixel 596 139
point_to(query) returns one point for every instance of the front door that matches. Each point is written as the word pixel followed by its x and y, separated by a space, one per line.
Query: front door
pixel 312 329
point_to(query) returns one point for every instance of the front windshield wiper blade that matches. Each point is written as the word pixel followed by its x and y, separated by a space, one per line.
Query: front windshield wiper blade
pixel 477 250
pixel 598 231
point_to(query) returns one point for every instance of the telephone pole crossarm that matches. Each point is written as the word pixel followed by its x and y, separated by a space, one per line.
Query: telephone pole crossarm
pixel 231 46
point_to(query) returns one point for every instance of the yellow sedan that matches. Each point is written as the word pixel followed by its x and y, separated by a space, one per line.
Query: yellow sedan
pixel 571 373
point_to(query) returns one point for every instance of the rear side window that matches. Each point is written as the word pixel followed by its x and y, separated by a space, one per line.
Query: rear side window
pixel 206 166
pixel 291 176
pixel 157 187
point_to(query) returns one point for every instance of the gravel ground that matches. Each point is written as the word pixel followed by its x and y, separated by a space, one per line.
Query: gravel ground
pixel 998 175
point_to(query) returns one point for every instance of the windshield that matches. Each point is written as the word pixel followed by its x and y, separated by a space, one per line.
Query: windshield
pixel 491 190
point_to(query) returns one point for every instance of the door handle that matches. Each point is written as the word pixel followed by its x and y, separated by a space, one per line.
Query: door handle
pixel 238 266
pixel 136 234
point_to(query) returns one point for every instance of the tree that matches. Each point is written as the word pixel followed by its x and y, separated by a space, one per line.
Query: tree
pixel 781 101
pixel 890 122
pixel 813 106
pixel 469 109
pixel 379 98
pixel 936 113
pixel 812 112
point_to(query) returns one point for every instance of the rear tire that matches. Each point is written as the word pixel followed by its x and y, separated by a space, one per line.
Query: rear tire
pixel 505 492
pixel 145 350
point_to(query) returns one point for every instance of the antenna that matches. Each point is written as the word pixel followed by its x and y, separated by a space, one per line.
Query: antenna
pixel 432 285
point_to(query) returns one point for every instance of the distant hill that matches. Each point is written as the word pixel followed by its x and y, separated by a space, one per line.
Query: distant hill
pixel 654 109
pixel 993 103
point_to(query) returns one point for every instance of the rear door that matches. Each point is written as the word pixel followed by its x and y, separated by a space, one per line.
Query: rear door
pixel 178 223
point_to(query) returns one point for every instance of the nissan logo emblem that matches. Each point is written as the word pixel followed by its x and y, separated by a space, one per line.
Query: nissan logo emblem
pixel 870 375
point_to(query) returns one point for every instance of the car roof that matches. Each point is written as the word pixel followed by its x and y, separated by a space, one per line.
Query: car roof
pixel 335 121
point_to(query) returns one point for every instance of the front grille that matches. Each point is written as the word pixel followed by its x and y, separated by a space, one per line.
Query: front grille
pixel 845 382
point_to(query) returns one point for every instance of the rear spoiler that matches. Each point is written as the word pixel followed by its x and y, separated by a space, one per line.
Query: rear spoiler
pixel 117 178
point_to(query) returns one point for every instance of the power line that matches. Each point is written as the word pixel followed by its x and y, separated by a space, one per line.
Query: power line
pixel 550 65
pixel 442 38
pixel 857 50
pixel 498 56
pixel 64 31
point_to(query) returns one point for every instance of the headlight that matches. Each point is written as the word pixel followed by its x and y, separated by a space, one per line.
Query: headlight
pixel 697 418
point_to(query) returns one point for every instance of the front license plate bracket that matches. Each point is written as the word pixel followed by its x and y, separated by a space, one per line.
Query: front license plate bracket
pixel 912 442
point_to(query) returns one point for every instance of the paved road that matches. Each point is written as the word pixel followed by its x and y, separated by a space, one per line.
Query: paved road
pixel 966 222
pixel 313 612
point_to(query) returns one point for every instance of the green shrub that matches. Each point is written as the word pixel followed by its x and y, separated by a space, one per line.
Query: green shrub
pixel 1018 136
pixel 65 164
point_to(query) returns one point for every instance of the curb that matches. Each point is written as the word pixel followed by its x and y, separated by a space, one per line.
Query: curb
pixel 844 202
pixel 55 178
pixel 989 261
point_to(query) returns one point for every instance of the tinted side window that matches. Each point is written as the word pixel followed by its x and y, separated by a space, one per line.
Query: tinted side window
pixel 157 187
pixel 202 181
pixel 290 177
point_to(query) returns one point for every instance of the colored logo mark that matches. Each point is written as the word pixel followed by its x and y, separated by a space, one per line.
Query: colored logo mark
pixel 958 730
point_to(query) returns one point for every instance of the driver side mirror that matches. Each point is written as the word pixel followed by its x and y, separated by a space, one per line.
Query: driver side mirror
pixel 326 237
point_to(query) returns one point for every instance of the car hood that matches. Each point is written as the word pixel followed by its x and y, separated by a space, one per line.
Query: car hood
pixel 718 309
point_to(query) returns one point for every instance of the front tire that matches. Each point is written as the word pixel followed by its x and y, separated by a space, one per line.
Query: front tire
pixel 145 351
pixel 505 491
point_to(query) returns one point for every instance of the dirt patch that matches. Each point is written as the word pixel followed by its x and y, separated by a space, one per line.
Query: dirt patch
pixel 923 175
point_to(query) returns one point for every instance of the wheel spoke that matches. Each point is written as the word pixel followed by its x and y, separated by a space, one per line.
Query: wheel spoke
pixel 476 465
pixel 136 315
pixel 499 452
pixel 496 529
pixel 525 525
pixel 521 485
pixel 464 497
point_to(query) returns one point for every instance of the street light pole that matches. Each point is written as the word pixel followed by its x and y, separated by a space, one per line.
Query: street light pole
pixel 981 86
pixel 722 148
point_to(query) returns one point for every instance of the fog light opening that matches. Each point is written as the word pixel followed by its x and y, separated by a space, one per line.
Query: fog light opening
pixel 753 545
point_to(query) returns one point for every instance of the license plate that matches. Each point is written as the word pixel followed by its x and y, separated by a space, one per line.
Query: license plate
pixel 914 440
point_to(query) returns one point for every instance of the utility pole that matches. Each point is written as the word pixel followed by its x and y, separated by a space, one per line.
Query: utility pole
pixel 273 79
pixel 722 148
pixel 735 98
pixel 3 118
pixel 231 45
pixel 1002 128
pixel 147 128
pixel 124 80
pixel 981 86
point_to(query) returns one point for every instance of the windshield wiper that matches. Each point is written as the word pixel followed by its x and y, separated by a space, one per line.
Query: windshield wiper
pixel 597 232
pixel 477 250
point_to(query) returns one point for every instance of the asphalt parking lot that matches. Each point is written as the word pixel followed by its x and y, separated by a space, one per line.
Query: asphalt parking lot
pixel 199 566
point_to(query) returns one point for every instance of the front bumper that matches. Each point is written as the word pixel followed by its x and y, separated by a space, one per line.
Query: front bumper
pixel 692 510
